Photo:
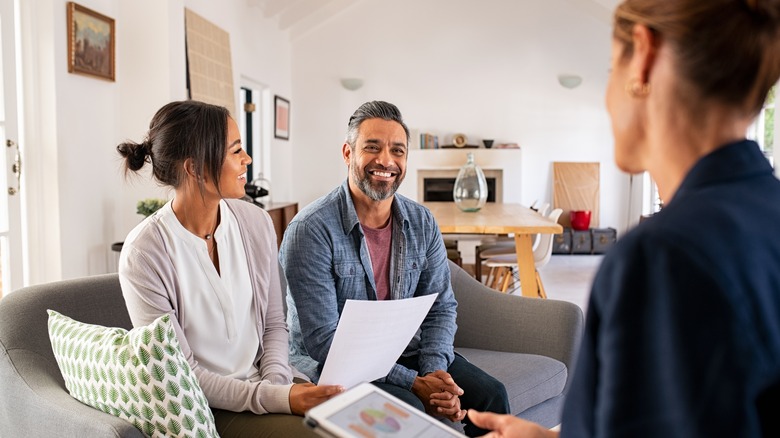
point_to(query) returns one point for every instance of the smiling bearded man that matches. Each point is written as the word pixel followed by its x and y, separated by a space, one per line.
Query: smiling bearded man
pixel 363 241
pixel 379 180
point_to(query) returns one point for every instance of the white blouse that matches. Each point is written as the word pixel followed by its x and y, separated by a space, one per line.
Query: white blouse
pixel 220 328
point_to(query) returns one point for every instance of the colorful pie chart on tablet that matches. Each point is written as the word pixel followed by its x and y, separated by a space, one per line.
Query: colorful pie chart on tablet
pixel 380 421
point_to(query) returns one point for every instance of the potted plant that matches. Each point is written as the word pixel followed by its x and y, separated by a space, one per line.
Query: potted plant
pixel 148 206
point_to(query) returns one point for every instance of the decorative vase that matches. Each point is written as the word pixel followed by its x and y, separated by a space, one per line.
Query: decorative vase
pixel 470 191
pixel 580 219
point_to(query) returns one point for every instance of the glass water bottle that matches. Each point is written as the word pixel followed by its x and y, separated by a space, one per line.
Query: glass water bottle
pixel 470 191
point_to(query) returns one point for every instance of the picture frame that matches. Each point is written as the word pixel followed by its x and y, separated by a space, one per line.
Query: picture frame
pixel 91 43
pixel 281 118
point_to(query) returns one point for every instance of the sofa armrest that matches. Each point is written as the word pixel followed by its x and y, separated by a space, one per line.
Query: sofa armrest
pixel 34 403
pixel 33 398
pixel 491 320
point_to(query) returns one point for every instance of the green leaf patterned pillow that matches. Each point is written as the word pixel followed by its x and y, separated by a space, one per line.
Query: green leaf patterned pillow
pixel 141 375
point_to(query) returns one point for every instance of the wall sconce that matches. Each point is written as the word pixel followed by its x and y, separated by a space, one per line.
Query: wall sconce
pixel 351 84
pixel 569 81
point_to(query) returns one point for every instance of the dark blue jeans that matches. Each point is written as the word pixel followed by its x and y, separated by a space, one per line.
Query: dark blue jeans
pixel 481 391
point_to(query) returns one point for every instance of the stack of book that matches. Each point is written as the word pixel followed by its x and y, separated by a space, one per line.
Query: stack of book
pixel 429 141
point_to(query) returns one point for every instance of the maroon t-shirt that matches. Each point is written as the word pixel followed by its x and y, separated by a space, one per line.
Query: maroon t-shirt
pixel 379 241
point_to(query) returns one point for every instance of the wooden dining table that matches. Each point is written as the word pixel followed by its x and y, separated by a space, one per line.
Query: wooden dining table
pixel 500 218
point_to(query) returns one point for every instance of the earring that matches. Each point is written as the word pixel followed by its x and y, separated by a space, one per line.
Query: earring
pixel 637 89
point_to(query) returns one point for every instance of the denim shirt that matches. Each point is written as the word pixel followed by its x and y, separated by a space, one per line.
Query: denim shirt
pixel 326 262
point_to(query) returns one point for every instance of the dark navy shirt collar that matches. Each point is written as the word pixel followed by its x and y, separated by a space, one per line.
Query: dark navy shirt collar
pixel 737 160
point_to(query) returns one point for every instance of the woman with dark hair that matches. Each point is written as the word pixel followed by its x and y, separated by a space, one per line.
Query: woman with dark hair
pixel 683 326
pixel 210 260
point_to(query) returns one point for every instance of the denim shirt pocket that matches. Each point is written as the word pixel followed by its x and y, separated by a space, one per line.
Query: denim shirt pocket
pixel 414 266
pixel 350 281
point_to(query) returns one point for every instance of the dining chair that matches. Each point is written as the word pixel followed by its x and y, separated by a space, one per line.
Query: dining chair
pixel 504 266
pixel 451 245
pixel 504 244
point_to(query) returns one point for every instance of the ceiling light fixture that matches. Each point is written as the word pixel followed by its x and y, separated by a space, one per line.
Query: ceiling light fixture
pixel 569 81
pixel 351 84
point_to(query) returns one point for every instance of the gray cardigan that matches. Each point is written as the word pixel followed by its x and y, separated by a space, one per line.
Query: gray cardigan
pixel 150 287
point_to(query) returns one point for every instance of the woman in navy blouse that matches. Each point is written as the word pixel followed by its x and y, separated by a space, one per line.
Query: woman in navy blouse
pixel 683 325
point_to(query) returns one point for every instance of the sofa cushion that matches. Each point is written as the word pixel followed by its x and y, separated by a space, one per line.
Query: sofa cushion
pixel 141 375
pixel 529 379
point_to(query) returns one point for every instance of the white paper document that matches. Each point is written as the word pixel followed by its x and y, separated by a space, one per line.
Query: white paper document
pixel 370 337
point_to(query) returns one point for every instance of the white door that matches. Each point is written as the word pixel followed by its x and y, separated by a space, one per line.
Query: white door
pixel 11 260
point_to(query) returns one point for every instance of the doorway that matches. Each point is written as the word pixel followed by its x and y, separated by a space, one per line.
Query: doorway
pixel 250 127
pixel 254 123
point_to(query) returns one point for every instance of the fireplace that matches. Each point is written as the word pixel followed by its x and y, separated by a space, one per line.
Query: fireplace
pixel 440 189
pixel 505 165
pixel 437 185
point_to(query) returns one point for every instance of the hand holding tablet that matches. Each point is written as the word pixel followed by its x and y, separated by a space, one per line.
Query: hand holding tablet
pixel 367 411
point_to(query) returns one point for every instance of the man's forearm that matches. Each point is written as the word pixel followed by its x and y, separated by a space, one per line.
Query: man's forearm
pixel 401 376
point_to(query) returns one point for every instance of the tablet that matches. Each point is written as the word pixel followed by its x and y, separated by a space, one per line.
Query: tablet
pixel 366 411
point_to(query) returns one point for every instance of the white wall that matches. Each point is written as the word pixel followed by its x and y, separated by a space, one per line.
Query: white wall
pixel 87 120
pixel 487 69
pixel 74 122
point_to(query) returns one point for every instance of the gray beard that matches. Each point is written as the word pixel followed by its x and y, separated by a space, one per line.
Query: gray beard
pixel 374 193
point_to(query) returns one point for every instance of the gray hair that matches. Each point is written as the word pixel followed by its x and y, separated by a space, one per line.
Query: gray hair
pixel 376 109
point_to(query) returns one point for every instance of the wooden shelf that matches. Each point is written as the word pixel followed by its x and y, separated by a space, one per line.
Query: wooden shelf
pixel 452 146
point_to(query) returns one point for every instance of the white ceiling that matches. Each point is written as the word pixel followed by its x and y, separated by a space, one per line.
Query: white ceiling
pixel 299 16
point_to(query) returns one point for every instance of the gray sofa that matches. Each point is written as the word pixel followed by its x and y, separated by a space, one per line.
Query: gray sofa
pixel 528 344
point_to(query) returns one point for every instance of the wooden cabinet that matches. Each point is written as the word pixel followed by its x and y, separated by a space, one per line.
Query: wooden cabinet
pixel 281 214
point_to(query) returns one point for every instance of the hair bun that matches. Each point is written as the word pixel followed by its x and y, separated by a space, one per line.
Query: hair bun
pixel 135 154
pixel 765 8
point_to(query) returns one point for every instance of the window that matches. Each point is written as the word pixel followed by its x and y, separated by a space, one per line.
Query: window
pixel 763 129
pixel 652 201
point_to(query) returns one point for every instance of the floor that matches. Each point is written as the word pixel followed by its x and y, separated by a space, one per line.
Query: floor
pixel 567 277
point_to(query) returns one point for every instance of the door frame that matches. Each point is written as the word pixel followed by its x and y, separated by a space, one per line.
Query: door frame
pixel 14 190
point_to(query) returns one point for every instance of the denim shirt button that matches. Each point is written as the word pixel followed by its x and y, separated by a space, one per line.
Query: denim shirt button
pixel 351 271
pixel 414 265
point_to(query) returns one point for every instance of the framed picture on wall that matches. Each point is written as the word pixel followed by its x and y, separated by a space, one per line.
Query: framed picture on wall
pixel 90 42
pixel 281 118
